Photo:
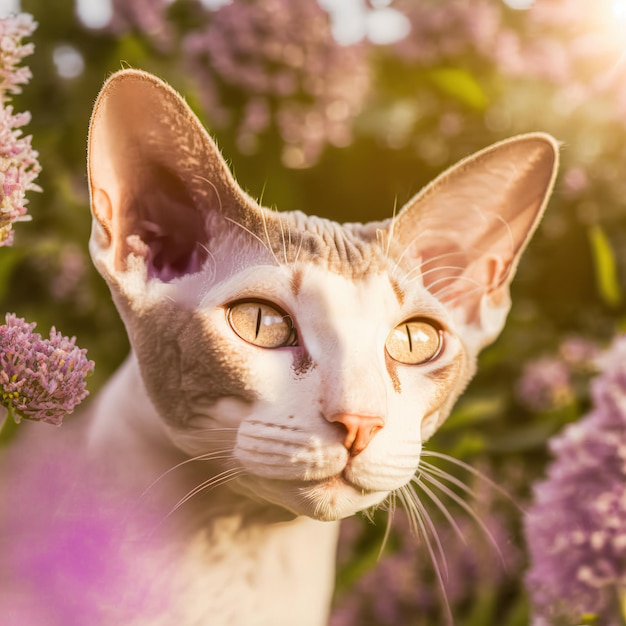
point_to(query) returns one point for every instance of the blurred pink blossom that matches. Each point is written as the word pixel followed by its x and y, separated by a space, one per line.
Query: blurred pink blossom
pixel 545 384
pixel 147 16
pixel 19 166
pixel 282 58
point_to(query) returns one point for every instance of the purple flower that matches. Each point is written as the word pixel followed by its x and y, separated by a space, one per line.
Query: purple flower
pixel 576 528
pixel 545 384
pixel 19 166
pixel 40 379
pixel 148 16
pixel 580 354
pixel 402 585
pixel 282 57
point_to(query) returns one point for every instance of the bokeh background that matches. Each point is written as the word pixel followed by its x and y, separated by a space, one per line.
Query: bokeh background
pixel 345 109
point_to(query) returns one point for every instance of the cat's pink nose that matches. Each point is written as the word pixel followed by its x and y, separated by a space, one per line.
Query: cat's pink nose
pixel 360 430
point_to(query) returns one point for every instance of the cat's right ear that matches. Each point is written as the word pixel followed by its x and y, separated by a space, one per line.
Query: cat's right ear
pixel 463 235
pixel 161 193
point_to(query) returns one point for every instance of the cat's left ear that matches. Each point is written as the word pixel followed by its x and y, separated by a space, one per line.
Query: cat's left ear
pixel 162 196
pixel 465 232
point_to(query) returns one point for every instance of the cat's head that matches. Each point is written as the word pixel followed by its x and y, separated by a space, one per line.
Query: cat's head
pixel 317 356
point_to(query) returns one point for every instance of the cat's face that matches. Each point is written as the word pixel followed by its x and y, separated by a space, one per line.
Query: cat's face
pixel 309 359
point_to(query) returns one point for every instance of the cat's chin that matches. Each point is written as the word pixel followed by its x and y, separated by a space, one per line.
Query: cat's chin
pixel 326 500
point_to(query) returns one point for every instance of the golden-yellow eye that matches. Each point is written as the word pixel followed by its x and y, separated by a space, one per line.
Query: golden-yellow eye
pixel 414 341
pixel 262 324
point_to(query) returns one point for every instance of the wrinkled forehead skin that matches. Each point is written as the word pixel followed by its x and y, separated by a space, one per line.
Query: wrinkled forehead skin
pixel 186 364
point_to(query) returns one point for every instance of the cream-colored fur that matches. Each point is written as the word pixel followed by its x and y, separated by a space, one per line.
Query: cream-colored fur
pixel 216 470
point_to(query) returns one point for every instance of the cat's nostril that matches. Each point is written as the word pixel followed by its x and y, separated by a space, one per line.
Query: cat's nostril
pixel 360 430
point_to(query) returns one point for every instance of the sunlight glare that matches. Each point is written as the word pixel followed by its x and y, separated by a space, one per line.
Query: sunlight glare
pixel 7 7
pixel 519 5
pixel 619 9
pixel 94 14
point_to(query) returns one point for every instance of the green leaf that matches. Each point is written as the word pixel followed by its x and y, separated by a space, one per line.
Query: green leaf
pixel 461 85
pixel 523 439
pixel 474 411
pixel 607 280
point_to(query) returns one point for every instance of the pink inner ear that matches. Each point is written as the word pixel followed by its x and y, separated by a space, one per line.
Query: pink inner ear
pixel 159 220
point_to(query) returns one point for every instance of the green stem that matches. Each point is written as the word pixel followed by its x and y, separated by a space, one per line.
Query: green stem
pixel 621 603
pixel 8 424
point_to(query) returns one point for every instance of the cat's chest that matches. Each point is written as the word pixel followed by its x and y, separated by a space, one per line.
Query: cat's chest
pixel 278 575
pixel 231 574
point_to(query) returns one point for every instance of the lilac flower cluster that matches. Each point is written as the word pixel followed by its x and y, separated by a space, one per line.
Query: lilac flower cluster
pixel 282 56
pixel 148 16
pixel 576 528
pixel 40 379
pixel 442 31
pixel 281 59
pixel 402 584
pixel 19 166
pixel 547 383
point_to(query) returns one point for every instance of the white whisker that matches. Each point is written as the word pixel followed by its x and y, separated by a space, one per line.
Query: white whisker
pixel 267 236
pixel 439 268
pixel 391 227
pixel 433 470
pixel 415 518
pixel 468 509
pixel 477 473
pixel 212 185
pixel 216 455
pixel 213 261
pixel 288 237
pixel 440 505
pixel 448 278
pixel 407 248
pixel 427 523
pixel 299 248
pixel 390 513
pixel 211 483
pixel 443 298
pixel 431 259
pixel 228 219
pixel 509 231
pixel 282 235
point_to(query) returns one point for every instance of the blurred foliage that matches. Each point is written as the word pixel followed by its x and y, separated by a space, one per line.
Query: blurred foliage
pixel 419 118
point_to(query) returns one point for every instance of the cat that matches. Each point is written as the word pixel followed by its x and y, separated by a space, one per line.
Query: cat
pixel 285 371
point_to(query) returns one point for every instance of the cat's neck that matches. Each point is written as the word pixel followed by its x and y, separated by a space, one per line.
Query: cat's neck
pixel 124 419
pixel 255 558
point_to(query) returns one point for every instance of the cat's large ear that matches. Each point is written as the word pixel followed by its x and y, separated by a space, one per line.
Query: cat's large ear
pixel 160 190
pixel 465 232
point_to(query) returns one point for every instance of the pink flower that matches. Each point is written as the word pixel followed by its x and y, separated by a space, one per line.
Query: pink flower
pixel 282 57
pixel 19 166
pixel 545 384
pixel 40 379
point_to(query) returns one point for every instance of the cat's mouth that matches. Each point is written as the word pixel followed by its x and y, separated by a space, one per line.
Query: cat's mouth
pixel 340 481
pixel 337 497
pixel 325 499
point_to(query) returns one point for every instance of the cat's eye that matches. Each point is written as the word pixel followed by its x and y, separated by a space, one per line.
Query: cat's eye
pixel 414 342
pixel 262 324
